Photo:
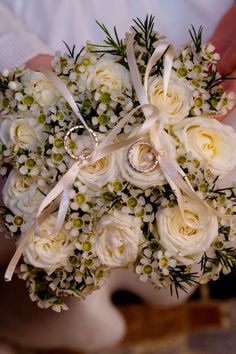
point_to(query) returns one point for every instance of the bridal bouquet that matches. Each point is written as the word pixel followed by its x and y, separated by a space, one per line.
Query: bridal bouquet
pixel 112 161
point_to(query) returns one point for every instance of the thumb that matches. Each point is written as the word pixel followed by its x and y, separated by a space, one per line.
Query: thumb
pixel 229 86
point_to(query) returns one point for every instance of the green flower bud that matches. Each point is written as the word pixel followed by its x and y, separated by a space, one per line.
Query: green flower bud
pixel 198 102
pixel 42 118
pixel 132 202
pixel 80 198
pixel 147 269
pixel 18 221
pixel 86 61
pixel 181 160
pixel 28 100
pixel 87 103
pixel 117 186
pixel 30 163
pixel 164 261
pixel 73 260
pixel 213 102
pixel 57 158
pixel 105 97
pixel 78 223
pixel 86 246
pixel 218 244
pixel 63 62
pixel 60 116
pixel 5 102
pixel 203 187
pixel 197 68
pixel 182 71
pixel 103 119
pixel 58 143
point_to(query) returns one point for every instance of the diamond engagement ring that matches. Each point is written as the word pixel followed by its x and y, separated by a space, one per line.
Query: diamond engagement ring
pixel 142 157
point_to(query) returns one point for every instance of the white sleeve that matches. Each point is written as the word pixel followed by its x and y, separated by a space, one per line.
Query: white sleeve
pixel 17 43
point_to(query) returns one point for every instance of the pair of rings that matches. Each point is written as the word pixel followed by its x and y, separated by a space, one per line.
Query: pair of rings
pixel 151 158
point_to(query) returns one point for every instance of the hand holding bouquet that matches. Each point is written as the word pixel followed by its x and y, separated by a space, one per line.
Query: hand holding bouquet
pixel 115 157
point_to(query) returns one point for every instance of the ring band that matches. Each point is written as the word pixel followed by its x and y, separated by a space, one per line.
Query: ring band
pixel 67 135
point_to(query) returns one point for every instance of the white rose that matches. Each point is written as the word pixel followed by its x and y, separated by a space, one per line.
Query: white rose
pixel 23 132
pixel 117 239
pixel 143 157
pixel 45 92
pixel 109 75
pixel 98 174
pixel 52 251
pixel 178 99
pixel 210 141
pixel 21 195
pixel 184 242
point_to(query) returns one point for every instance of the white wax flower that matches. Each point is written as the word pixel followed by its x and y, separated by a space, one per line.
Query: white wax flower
pixel 23 132
pixel 142 155
pixel 177 104
pixel 21 194
pixel 52 251
pixel 117 239
pixel 45 92
pixel 210 141
pixel 186 243
pixel 109 75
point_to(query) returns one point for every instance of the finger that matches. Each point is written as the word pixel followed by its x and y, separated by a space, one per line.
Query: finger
pixel 224 33
pixel 227 64
pixel 38 61
pixel 229 86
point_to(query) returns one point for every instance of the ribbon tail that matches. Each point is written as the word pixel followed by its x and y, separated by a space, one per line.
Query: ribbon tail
pixel 65 182
pixel 134 72
pixel 61 87
pixel 25 238
pixel 61 215
pixel 167 63
pixel 181 187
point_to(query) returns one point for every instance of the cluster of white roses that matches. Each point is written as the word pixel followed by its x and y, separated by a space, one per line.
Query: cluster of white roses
pixel 122 211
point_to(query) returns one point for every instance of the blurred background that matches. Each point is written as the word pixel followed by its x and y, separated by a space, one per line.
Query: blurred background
pixel 205 324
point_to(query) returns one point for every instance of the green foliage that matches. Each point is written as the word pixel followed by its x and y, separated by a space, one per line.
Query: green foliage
pixel 113 45
pixel 181 280
pixel 71 52
pixel 196 37
pixel 144 32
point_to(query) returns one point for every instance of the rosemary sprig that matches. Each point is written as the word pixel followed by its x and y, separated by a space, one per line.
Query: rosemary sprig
pixel 3 83
pixel 215 82
pixel 71 52
pixel 226 258
pixel 181 280
pixel 204 260
pixel 214 184
pixel 196 37
pixel 144 32
pixel 225 230
pixel 78 55
pixel 113 45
